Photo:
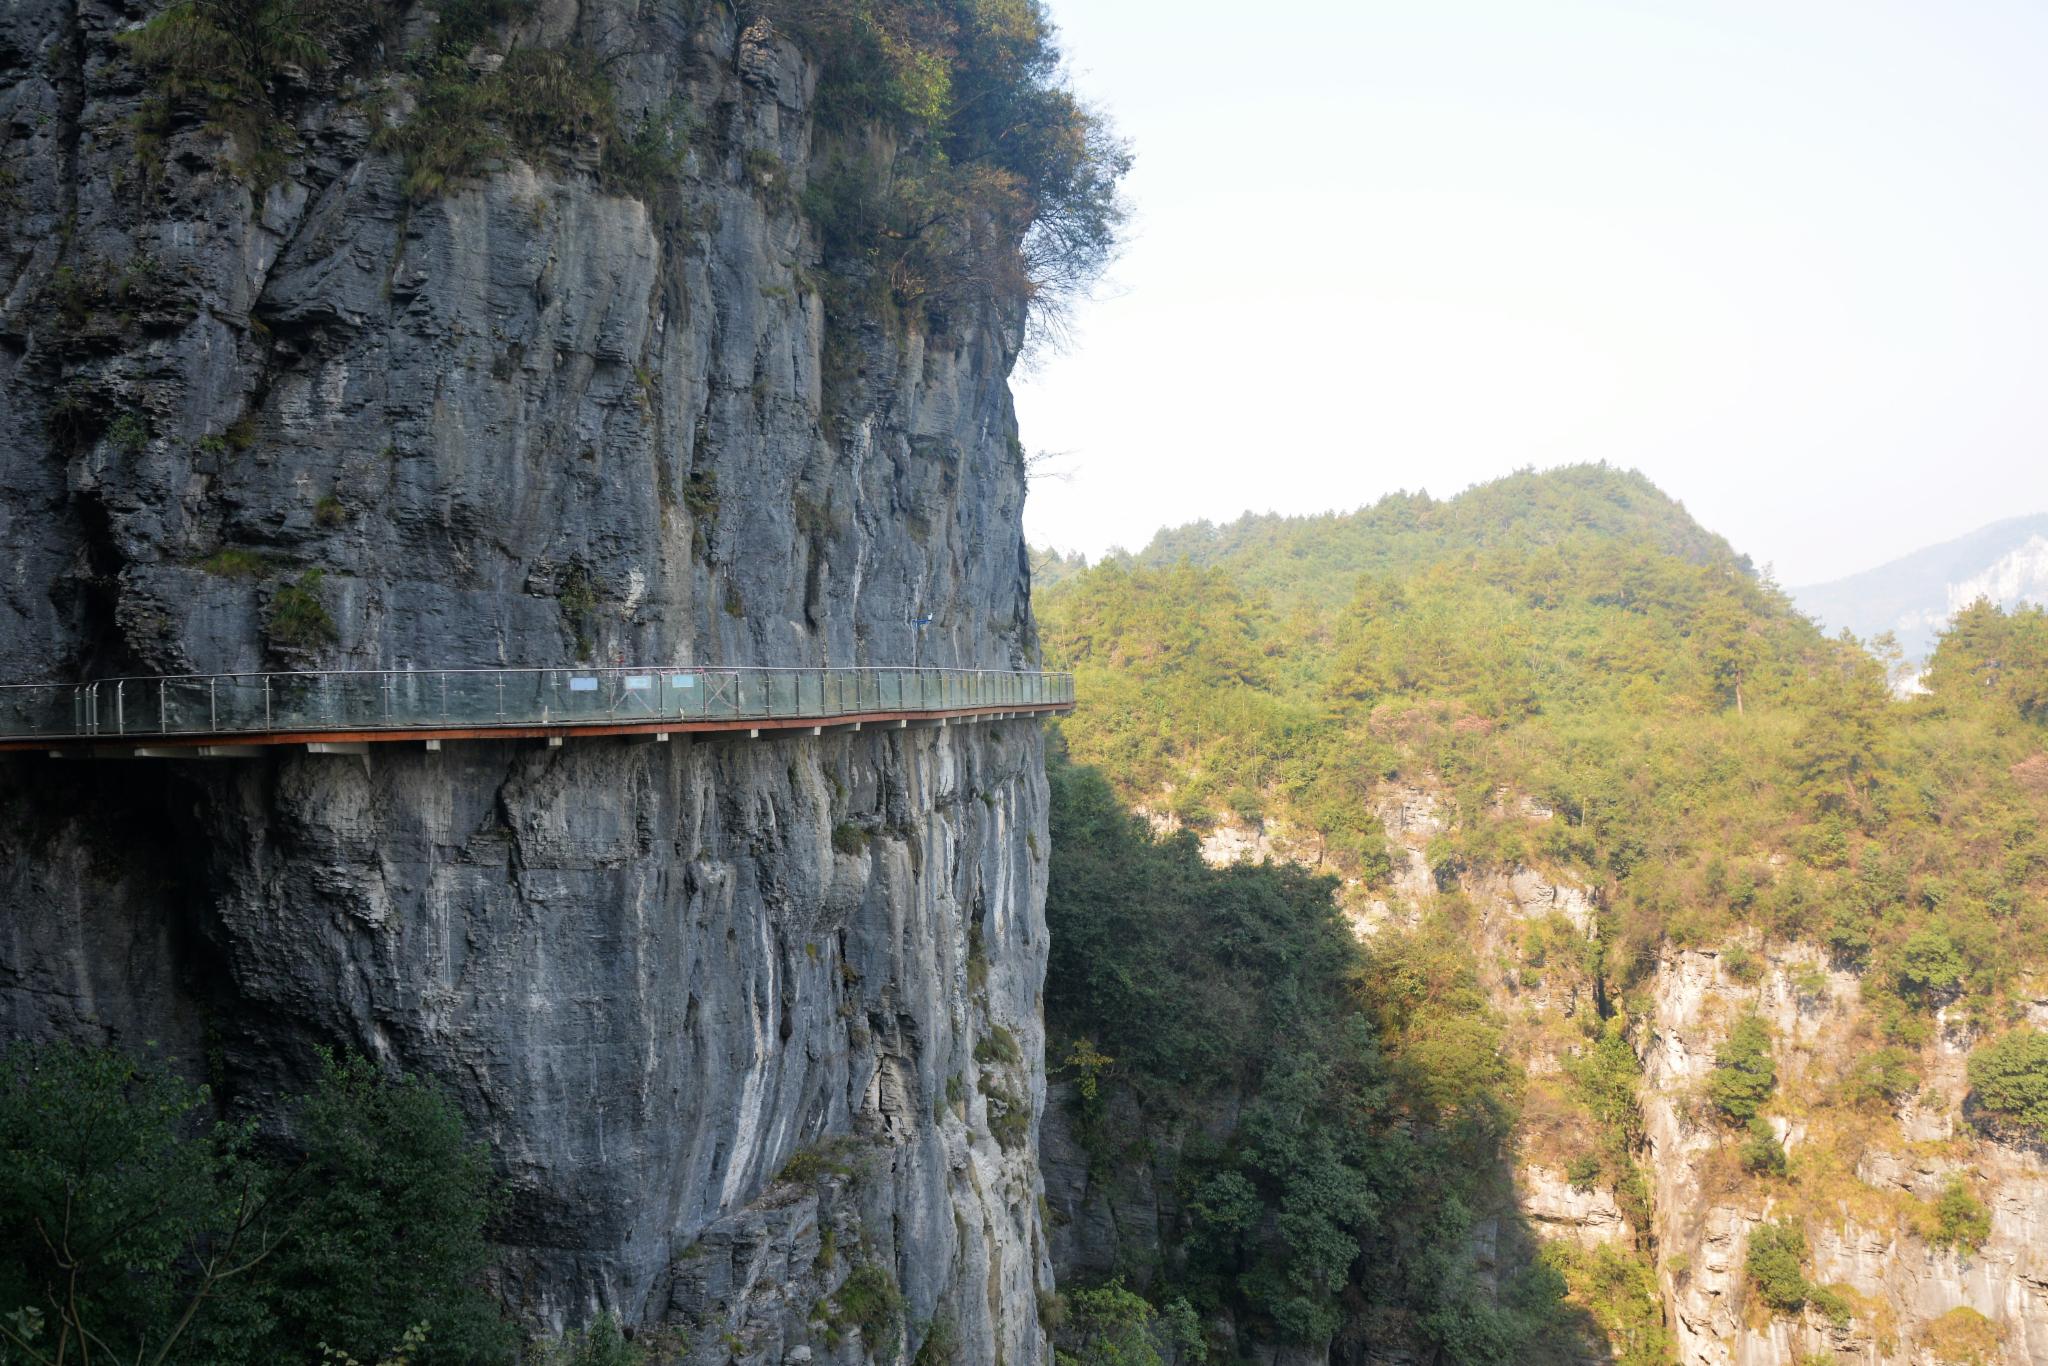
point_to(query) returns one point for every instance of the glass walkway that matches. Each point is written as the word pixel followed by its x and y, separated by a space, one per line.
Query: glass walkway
pixel 245 709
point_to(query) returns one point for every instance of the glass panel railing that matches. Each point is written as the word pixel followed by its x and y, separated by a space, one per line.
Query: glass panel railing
pixel 371 700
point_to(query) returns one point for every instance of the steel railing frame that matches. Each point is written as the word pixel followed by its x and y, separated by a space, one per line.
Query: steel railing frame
pixel 255 703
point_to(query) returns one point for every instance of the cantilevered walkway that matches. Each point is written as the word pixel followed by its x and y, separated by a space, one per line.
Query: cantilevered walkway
pixel 346 711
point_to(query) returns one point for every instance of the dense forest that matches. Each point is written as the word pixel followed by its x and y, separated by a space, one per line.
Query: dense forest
pixel 1599 688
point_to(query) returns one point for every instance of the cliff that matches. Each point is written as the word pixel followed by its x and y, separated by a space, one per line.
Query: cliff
pixel 1656 1206
pixel 271 395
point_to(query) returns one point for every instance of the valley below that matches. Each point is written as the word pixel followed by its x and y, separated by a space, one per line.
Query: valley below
pixel 1745 960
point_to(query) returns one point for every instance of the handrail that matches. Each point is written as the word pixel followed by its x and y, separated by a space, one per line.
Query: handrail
pixel 334 700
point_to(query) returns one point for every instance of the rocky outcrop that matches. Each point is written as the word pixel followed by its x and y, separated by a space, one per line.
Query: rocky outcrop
pixel 523 421
pixel 1863 1184
pixel 1863 1188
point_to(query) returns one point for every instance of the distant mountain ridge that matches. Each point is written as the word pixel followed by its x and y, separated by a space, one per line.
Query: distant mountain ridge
pixel 1915 595
pixel 1319 558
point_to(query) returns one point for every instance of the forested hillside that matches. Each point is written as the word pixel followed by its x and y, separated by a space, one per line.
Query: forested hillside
pixel 1584 690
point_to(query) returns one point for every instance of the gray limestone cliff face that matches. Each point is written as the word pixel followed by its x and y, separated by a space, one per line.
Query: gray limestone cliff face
pixel 522 422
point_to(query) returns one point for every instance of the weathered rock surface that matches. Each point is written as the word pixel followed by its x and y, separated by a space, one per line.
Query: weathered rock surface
pixel 1869 1183
pixel 522 421
pixel 1862 1235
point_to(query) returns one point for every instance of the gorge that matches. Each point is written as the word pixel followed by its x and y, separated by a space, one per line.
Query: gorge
pixel 1489 930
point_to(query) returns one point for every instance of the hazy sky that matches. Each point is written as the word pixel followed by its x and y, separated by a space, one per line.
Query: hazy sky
pixel 1787 257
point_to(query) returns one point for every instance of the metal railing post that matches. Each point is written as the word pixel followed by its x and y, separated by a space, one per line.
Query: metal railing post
pixel 334 697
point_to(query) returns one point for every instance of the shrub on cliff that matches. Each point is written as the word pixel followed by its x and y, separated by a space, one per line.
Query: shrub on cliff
pixel 2009 1083
pixel 1963 1337
pixel 235 61
pixel 298 615
pixel 129 1212
pixel 1762 1153
pixel 1776 1266
pixel 1960 1219
pixel 1930 968
pixel 1744 1074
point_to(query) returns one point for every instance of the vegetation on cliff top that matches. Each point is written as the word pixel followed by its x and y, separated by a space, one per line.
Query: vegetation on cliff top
pixel 962 167
pixel 1695 751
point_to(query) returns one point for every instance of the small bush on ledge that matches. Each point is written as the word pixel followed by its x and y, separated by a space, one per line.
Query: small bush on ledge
pixel 298 617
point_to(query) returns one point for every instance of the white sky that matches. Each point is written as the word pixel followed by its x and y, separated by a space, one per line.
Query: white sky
pixel 1787 257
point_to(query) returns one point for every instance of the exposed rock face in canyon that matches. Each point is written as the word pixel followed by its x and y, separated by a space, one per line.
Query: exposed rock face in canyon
pixel 522 421
pixel 1865 1205
pixel 1866 1179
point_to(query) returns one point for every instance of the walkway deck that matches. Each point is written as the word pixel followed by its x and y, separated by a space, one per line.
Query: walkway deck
pixel 345 711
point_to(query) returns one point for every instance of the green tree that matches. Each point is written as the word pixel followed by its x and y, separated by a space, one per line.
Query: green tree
pixel 1989 655
pixel 136 1221
pixel 1762 1154
pixel 2009 1082
pixel 1836 754
pixel 1930 968
pixel 1731 643
pixel 390 1229
pixel 132 1222
pixel 1775 1267
pixel 1744 1074
pixel 1108 1326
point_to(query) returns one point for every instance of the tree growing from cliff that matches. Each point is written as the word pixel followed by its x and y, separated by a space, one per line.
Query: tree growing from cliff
pixel 1775 1267
pixel 1109 1325
pixel 2009 1082
pixel 1744 1073
pixel 1960 1219
pixel 997 184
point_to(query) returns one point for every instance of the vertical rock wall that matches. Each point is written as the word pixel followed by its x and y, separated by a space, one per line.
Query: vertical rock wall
pixel 521 422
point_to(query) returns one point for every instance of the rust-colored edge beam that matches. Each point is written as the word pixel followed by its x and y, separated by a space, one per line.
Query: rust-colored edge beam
pixel 671 725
